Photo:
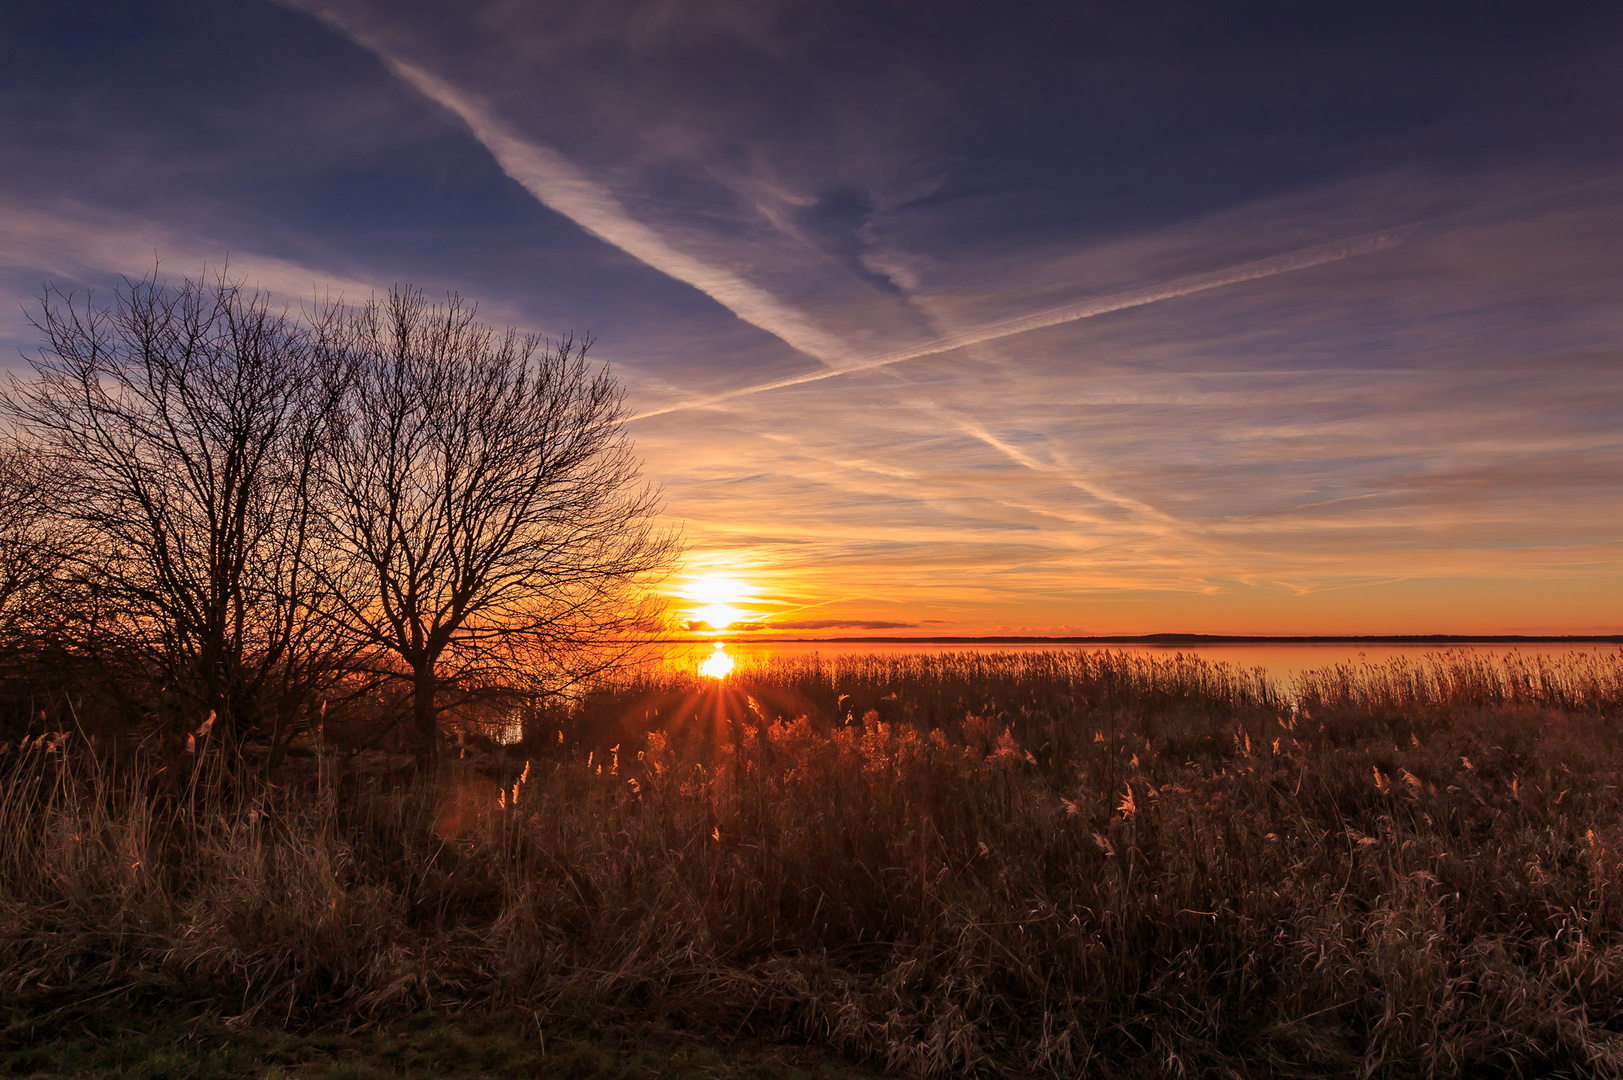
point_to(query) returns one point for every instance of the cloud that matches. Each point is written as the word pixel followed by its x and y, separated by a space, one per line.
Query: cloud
pixel 78 243
pixel 835 624
pixel 696 626
pixel 1275 449
pixel 1301 259
pixel 71 245
pixel 1020 457
pixel 564 188
pixel 1315 444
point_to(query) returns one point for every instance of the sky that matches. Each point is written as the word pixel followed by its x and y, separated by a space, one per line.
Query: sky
pixel 941 318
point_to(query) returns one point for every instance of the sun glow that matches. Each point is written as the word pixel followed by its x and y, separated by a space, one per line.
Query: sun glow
pixel 718 664
pixel 717 597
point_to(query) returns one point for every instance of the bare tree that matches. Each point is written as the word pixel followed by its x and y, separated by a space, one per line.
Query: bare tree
pixel 486 505
pixel 31 550
pixel 186 428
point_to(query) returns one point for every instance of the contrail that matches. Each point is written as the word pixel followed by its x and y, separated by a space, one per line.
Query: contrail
pixel 557 183
pixel 1300 259
pixel 1020 457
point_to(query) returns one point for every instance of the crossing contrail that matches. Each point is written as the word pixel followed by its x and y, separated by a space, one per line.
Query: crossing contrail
pixel 1300 259
pixel 563 187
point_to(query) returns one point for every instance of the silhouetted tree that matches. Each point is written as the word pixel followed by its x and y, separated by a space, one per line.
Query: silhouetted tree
pixel 31 550
pixel 484 505
pixel 185 428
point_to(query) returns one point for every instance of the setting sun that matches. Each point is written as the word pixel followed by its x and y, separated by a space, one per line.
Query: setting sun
pixel 716 597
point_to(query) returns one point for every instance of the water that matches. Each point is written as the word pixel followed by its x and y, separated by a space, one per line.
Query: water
pixel 1280 662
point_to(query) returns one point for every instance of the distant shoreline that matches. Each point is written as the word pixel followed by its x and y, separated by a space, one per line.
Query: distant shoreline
pixel 1176 639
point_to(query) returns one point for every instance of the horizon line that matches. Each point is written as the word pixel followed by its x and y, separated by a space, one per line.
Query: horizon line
pixel 1158 639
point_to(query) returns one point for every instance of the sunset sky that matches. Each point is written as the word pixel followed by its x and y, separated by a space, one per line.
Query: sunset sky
pixel 943 318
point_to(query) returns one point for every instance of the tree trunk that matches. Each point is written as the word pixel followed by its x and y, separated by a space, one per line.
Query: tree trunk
pixel 426 716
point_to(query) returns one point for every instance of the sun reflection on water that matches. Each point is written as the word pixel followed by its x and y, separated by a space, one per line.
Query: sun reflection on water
pixel 718 664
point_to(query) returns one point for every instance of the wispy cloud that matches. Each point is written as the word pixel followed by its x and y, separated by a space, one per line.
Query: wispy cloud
pixel 564 188
pixel 76 242
pixel 1301 259
pixel 832 624
pixel 1425 439
pixel 1020 457
pixel 1320 452
pixel 68 245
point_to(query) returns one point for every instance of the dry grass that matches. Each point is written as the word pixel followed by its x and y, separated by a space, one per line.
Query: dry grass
pixel 1058 863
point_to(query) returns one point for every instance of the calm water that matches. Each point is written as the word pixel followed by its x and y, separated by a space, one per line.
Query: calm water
pixel 1280 662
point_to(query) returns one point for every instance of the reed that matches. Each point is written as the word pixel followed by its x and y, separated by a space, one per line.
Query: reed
pixel 1075 864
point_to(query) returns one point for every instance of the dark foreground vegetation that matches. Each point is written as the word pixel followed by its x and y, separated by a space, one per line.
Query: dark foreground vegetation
pixel 1062 864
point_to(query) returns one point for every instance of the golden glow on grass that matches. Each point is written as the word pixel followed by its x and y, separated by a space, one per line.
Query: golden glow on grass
pixel 718 664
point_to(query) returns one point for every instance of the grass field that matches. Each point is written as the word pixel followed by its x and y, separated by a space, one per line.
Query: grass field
pixel 154 1044
pixel 1067 864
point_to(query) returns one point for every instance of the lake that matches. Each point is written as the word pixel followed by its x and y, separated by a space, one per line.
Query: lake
pixel 1281 662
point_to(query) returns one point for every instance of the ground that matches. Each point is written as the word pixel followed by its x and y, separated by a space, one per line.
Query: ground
pixel 169 1048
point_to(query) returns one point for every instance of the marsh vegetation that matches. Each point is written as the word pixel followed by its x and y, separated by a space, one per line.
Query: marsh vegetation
pixel 1067 864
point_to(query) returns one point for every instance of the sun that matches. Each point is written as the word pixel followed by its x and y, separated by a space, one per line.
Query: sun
pixel 716 598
